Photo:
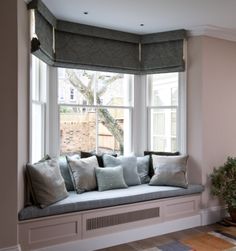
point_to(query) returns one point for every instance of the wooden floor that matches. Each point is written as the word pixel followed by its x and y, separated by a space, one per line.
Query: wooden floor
pixel 159 240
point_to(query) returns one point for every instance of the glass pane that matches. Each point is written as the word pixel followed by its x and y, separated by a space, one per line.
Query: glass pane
pixel 113 130
pixel 91 87
pixel 43 81
pixel 77 129
pixel 76 86
pixel 35 79
pixel 163 130
pixel 164 89
pixel 114 89
pixel 37 132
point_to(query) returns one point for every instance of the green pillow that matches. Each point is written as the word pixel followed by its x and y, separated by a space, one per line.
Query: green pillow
pixel 169 171
pixel 110 178
pixel 46 182
pixel 129 164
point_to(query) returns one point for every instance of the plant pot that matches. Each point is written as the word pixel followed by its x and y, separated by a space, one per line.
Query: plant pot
pixel 232 212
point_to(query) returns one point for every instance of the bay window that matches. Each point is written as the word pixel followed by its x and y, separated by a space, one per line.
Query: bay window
pixel 103 112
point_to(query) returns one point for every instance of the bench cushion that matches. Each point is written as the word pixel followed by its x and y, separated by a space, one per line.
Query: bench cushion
pixel 95 199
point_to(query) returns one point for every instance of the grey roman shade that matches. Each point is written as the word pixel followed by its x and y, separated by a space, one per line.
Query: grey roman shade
pixel 163 52
pixel 45 22
pixel 89 47
pixel 83 46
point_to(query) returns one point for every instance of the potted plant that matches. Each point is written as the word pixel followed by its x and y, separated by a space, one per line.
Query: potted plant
pixel 223 181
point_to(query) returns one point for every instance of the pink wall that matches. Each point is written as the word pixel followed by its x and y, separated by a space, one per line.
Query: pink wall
pixel 13 112
pixel 8 125
pixel 211 107
pixel 23 96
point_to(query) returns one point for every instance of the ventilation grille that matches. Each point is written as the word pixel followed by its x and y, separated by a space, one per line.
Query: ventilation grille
pixel 112 220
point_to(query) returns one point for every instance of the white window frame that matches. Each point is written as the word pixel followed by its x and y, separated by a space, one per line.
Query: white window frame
pixel 54 114
pixel 44 108
pixel 139 138
pixel 181 113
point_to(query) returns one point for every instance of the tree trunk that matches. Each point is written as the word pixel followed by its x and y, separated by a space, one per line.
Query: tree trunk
pixel 104 115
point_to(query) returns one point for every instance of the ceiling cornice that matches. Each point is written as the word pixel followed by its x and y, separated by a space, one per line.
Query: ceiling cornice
pixel 213 31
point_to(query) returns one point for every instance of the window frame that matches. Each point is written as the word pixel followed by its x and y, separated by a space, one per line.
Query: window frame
pixel 139 138
pixel 42 102
pixel 128 141
pixel 181 110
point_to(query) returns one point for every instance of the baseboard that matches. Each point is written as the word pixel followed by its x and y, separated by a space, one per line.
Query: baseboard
pixel 12 248
pixel 128 235
pixel 213 214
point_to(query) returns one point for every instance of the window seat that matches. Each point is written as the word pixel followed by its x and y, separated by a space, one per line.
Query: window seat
pixel 94 199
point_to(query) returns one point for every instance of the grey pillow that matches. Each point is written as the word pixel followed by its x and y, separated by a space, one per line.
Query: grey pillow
pixel 129 164
pixel 143 169
pixel 65 171
pixel 47 184
pixel 170 171
pixel 83 173
pixel 29 195
pixel 110 178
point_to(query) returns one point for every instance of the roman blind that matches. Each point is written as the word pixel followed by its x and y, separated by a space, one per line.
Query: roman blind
pixel 42 44
pixel 84 46
pixel 72 45
pixel 163 52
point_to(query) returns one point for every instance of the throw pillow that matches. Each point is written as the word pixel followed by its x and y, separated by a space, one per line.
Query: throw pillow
pixel 129 164
pixel 151 170
pixel 99 157
pixel 170 171
pixel 143 169
pixel 65 171
pixel 46 182
pixel 110 178
pixel 83 173
pixel 29 197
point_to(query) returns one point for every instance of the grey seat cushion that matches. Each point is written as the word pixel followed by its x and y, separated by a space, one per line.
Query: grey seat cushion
pixel 96 199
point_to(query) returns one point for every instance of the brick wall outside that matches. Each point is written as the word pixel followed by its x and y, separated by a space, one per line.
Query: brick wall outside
pixel 78 133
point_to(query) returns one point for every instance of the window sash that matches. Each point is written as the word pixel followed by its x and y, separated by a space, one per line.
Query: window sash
pixel 151 135
pixel 180 108
pixel 127 141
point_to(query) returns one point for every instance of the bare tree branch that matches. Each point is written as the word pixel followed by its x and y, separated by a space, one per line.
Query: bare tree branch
pixel 104 115
pixel 107 83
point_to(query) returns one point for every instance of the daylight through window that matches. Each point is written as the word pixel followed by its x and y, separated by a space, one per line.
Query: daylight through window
pixel 163 106
pixel 95 111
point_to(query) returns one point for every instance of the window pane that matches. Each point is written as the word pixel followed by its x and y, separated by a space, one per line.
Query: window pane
pixel 43 81
pixel 163 129
pixel 92 87
pixel 164 89
pixel 37 132
pixel 113 128
pixel 114 89
pixel 77 129
pixel 35 79
pixel 76 86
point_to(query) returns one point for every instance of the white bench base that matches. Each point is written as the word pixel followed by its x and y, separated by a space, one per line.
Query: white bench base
pixel 100 228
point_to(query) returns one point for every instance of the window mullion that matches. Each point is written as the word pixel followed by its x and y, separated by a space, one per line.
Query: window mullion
pixel 97 130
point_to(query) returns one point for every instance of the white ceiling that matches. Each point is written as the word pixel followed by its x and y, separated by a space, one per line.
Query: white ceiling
pixel 156 15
